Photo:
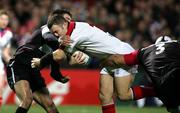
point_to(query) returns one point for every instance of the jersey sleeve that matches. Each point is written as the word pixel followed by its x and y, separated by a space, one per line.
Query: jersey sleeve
pixel 51 40
pixel 132 58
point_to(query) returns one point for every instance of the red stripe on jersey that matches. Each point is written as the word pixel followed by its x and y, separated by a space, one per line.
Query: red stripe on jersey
pixel 71 27
pixel 131 59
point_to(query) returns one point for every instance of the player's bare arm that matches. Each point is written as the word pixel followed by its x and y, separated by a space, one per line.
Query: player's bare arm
pixel 78 57
pixel 121 60
pixel 57 56
pixel 114 60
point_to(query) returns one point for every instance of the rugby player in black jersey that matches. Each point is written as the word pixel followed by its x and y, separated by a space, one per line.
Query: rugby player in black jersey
pixel 161 61
pixel 27 82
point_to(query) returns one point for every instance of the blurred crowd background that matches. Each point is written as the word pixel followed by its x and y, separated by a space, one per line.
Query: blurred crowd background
pixel 138 22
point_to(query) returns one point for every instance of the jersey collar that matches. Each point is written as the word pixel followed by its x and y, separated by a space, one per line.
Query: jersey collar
pixel 71 27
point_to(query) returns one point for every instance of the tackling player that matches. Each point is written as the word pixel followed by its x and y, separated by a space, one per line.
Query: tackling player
pixel 161 61
pixel 95 42
pixel 26 82
pixel 5 37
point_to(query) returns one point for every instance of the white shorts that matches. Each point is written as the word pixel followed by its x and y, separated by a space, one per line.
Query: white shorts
pixel 115 72
pixel 118 72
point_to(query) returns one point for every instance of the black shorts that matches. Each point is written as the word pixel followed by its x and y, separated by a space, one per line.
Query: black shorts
pixel 17 70
pixel 168 91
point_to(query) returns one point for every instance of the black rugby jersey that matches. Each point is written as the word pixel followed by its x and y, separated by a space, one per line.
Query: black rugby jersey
pixel 38 39
pixel 160 60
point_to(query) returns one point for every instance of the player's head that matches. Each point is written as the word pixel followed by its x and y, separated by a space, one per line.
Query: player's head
pixel 64 12
pixel 163 39
pixel 58 25
pixel 4 19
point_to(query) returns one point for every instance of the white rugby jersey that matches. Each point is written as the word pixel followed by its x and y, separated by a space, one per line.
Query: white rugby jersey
pixel 5 37
pixel 95 42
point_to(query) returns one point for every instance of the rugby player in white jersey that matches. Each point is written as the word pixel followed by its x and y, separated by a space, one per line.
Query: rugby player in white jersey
pixel 5 37
pixel 97 43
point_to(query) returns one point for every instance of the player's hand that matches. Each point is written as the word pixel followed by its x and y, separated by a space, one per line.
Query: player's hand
pixel 35 63
pixel 78 57
pixel 64 41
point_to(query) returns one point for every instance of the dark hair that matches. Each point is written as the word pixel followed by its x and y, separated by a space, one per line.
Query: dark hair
pixel 60 12
pixel 56 19
pixel 3 12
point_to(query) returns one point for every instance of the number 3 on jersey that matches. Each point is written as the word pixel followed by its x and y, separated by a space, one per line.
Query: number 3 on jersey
pixel 160 48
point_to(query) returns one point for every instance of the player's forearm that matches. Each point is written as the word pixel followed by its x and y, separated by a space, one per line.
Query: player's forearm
pixel 56 56
pixel 114 60
pixel 117 60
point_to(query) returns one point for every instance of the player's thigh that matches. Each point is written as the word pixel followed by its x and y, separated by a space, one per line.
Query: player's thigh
pixel 106 84
pixel 23 90
pixel 123 81
pixel 42 97
pixel 37 82
pixel 122 84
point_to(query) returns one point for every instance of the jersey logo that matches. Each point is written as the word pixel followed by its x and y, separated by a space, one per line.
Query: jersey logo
pixel 160 48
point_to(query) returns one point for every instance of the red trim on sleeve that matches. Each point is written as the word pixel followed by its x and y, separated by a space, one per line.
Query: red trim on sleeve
pixel 131 58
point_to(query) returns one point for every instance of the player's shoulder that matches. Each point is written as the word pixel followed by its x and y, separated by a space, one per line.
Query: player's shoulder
pixel 81 28
pixel 37 33
pixel 44 29
pixel 82 24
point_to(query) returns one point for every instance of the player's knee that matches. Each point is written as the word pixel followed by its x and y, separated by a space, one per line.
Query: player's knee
pixel 124 96
pixel 49 104
pixel 27 100
pixel 51 108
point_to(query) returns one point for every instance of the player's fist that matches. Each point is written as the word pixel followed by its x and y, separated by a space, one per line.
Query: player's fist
pixel 35 63
pixel 79 57
pixel 64 41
